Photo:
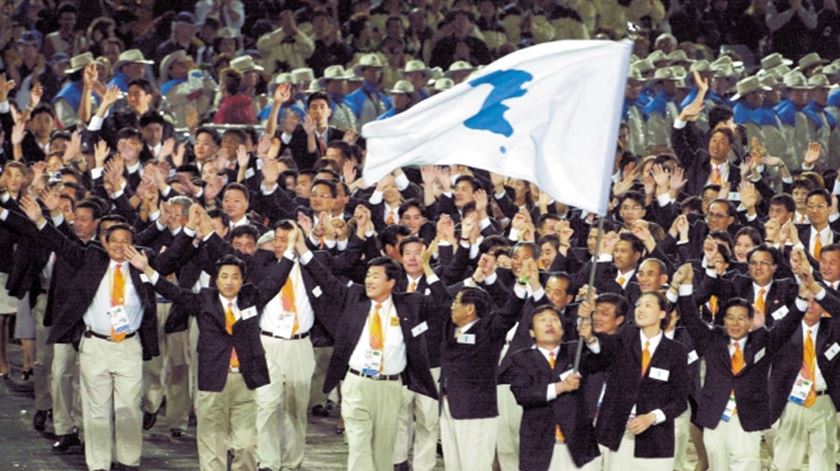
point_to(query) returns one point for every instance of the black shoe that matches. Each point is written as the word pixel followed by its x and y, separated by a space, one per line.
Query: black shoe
pixel 401 466
pixel 177 432
pixel 65 442
pixel 320 411
pixel 123 467
pixel 26 374
pixel 149 419
pixel 39 420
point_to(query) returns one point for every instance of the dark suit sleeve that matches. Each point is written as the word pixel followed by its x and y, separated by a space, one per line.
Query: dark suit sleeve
pixel 679 383
pixel 784 328
pixel 188 303
pixel 171 259
pixel 69 251
pixel 690 316
pixel 330 284
pixel 503 319
pixel 526 387
pixel 270 286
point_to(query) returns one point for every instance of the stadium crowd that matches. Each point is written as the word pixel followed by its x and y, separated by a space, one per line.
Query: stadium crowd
pixel 185 217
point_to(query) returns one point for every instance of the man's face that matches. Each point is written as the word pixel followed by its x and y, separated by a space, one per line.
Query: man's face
pixel 761 267
pixel 400 100
pixel 321 198
pixel 650 276
pixel 41 125
pixel 205 147
pixel 417 79
pixel 557 291
pixel 413 219
pixel 320 112
pixel 463 193
pixel 84 225
pixel 647 312
pixel 234 204
pixel 604 320
pixel 152 134
pixel 245 244
pixel 779 213
pixel 547 255
pixel 219 227
pixel 755 99
pixel 461 26
pixel 133 70
pixel 737 322
pixel 281 242
pixel 718 217
pixel 624 258
pixel 229 281
pixel 830 265
pixel 592 239
pixel 817 209
pixel 377 284
pixel 631 211
pixel 820 96
pixel 335 155
pixel 303 185
pixel 719 147
pixel 411 260
pixel 461 313
pixel 137 99
pixel 67 21
pixel 520 255
pixel 546 328
pixel 116 244
pixel 231 142
pixel 798 97
pixel 371 74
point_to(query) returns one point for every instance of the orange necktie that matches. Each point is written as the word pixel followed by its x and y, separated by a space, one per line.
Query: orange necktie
pixel 809 370
pixel 412 287
pixel 737 359
pixel 377 337
pixel 645 358
pixel 390 219
pixel 117 299
pixel 621 281
pixel 714 305
pixel 287 300
pixel 817 247
pixel 230 319
pixel 759 300
pixel 716 176
pixel 558 434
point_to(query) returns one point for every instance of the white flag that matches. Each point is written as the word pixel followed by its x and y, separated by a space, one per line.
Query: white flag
pixel 548 114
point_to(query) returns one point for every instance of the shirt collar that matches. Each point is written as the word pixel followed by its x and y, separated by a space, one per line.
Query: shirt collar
pixel 225 301
pixel 466 327
pixel 653 342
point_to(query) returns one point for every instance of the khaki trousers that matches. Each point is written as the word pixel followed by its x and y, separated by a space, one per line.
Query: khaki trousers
pixel 561 460
pixel 283 403
pixel 111 385
pixel 370 409
pixel 625 459
pixel 43 357
pixel 178 393
pixel 510 418
pixel 730 448
pixel 468 444
pixel 322 362
pixel 230 413
pixel 64 388
pixel 153 379
pixel 681 437
pixel 419 424
pixel 810 431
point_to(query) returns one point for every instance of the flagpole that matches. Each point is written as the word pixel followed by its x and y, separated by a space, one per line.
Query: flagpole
pixel 591 286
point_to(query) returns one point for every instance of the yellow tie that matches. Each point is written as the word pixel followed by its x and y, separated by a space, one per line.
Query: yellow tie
pixel 287 300
pixel 457 332
pixel 716 176
pixel 390 219
pixel 713 305
pixel 621 281
pixel 412 287
pixel 117 299
pixel 558 434
pixel 230 319
pixel 645 358
pixel 809 370
pixel 377 338
pixel 737 359
pixel 817 247
pixel 759 301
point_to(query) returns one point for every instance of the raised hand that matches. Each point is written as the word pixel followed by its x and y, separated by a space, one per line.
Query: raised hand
pixel 35 95
pixel 51 198
pixel 90 76
pixel 101 151
pixel 812 155
pixel 32 210
pixel 242 157
pixel 348 171
pixel 6 86
pixel 137 258
pixel 282 93
pixel 112 94
pixel 749 195
pixel 678 180
pixel 18 132
pixel 481 202
pixel 661 177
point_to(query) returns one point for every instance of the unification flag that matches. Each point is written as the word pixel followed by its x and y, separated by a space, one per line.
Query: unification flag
pixel 548 114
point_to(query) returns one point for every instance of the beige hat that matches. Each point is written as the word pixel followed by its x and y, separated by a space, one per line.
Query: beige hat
pixel 402 87
pixel 748 85
pixel 775 59
pixel 368 60
pixel 79 62
pixel 831 69
pixel 820 81
pixel 780 71
pixel 700 66
pixel 678 55
pixel 131 56
pixel 635 76
pixel 459 66
pixel 679 72
pixel 178 56
pixel 769 80
pixel 436 73
pixel 809 60
pixel 303 74
pixel 245 64
pixel 724 70
pixel 314 86
pixel 726 60
pixel 333 72
pixel 443 84
pixel 415 66
pixel 664 73
pixel 283 77
pixel 657 56
pixel 643 66
pixel 796 80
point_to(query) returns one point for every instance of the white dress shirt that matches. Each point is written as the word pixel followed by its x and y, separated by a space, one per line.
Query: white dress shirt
pixel 96 317
pixel 270 319
pixel 394 356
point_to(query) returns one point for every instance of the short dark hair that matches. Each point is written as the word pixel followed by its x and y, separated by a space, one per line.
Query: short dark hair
pixel 720 114
pixel 410 240
pixel 479 299
pixel 328 183
pixel 144 84
pixel 393 270
pixel 739 302
pixel 471 180
pixel 622 307
pixel 544 308
pixel 129 133
pixel 218 213
pixel 820 192
pixel 120 226
pixel 535 250
pixel 113 217
pixel 239 187
pixel 151 117
pixel 783 199
pixel 343 147
pixel 285 225
pixel 231 259
pixel 774 252
pixel 390 235
pixel 636 244
pixel 831 248
pixel 42 108
pixel 211 132
pixel 413 203
pixel 246 230
pixel 95 208
pixel 318 96
pixel 750 232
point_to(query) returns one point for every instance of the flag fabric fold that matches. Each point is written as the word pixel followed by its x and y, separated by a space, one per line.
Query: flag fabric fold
pixel 548 114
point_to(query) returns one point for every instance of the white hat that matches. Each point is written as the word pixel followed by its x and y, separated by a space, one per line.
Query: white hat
pixel 178 56
pixel 245 64
pixel 415 66
pixel 131 56
pixel 748 85
pixel 79 62
pixel 402 87
pixel 459 66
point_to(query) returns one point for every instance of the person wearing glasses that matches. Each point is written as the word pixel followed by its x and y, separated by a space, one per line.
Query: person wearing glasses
pixel 821 230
